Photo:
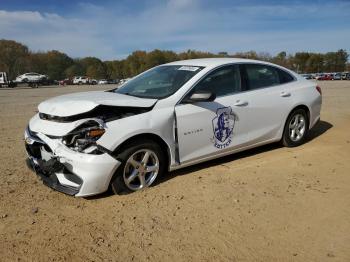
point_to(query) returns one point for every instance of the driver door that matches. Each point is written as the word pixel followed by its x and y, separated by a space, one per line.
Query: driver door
pixel 209 128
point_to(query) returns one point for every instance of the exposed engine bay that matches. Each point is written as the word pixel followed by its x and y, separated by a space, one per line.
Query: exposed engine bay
pixel 103 112
pixel 83 138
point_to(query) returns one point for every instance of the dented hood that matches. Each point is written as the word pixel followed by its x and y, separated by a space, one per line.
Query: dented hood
pixel 77 103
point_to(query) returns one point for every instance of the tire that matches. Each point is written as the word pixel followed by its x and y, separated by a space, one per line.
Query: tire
pixel 136 170
pixel 299 122
pixel 25 80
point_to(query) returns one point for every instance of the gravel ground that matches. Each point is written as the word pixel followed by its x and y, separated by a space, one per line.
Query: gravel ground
pixel 266 204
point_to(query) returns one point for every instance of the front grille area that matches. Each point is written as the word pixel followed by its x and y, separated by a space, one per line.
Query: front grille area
pixel 33 150
pixel 47 170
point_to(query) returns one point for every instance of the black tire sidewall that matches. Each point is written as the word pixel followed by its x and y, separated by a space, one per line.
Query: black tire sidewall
pixel 286 141
pixel 117 182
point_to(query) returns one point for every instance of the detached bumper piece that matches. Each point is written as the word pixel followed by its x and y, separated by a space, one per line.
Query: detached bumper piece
pixel 47 172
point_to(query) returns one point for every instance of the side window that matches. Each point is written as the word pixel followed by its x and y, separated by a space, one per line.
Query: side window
pixel 260 76
pixel 285 77
pixel 222 81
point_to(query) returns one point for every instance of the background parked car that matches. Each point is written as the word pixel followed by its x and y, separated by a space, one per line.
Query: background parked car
pixel 307 76
pixel 345 76
pixel 337 76
pixel 103 82
pixel 30 77
pixel 93 82
pixel 79 80
pixel 67 81
pixel 113 81
pixel 122 81
pixel 329 77
pixel 322 77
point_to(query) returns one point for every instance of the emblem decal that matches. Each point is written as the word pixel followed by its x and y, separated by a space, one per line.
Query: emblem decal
pixel 223 125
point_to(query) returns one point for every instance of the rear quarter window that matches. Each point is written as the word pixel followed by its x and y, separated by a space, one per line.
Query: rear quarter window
pixel 285 77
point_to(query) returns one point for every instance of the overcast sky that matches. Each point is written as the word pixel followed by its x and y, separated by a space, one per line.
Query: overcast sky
pixel 113 29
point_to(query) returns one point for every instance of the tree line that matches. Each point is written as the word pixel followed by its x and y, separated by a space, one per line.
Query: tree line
pixel 16 59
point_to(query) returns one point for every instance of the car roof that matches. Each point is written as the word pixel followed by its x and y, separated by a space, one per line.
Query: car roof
pixel 213 62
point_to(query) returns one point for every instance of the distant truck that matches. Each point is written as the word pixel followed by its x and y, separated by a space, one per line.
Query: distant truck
pixel 4 82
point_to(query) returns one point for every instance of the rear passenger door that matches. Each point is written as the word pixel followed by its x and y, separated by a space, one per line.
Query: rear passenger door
pixel 269 96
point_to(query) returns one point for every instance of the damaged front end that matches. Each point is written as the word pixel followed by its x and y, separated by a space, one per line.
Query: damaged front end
pixel 64 153
pixel 47 166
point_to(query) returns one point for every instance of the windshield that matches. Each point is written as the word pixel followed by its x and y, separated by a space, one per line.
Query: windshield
pixel 159 82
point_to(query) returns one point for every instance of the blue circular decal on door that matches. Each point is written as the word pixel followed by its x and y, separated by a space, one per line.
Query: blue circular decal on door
pixel 223 125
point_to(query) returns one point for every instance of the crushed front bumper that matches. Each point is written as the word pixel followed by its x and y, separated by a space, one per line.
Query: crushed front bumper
pixel 50 178
pixel 67 171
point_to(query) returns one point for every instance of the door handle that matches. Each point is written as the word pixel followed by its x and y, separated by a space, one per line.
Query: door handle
pixel 285 94
pixel 240 103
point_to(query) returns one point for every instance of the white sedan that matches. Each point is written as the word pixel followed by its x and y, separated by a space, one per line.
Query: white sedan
pixel 166 118
pixel 103 82
pixel 30 77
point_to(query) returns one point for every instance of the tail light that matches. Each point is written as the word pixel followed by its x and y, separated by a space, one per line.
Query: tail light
pixel 319 89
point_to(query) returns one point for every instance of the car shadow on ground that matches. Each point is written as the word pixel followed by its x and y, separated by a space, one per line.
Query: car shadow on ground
pixel 319 129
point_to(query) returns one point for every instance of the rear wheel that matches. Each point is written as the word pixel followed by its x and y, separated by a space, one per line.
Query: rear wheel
pixel 142 163
pixel 296 128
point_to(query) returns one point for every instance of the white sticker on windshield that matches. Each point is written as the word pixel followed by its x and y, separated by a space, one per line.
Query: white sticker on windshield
pixel 189 68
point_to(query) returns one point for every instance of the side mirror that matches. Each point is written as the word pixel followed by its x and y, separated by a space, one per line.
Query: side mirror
pixel 200 96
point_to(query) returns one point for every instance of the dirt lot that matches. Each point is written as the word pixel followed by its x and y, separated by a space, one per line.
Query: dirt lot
pixel 267 204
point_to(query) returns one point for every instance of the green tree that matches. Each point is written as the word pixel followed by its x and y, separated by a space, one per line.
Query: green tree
pixel 281 59
pixel 57 63
pixel 13 57
pixel 74 70
pixel 93 67
pixel 300 61
pixel 36 62
pixel 315 63
pixel 248 55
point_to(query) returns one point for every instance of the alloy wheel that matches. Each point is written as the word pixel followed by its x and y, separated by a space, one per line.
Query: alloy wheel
pixel 141 169
pixel 297 127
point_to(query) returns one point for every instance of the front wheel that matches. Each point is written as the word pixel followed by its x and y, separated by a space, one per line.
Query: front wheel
pixel 142 163
pixel 296 128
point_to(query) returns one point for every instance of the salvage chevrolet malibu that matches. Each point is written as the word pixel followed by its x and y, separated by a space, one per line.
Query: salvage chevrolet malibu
pixel 166 118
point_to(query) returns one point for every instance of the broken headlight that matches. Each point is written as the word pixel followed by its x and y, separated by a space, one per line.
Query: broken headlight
pixel 84 137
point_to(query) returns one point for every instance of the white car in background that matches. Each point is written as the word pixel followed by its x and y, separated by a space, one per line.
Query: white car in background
pixel 103 82
pixel 337 76
pixel 169 117
pixel 30 77
pixel 80 80
pixel 122 81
